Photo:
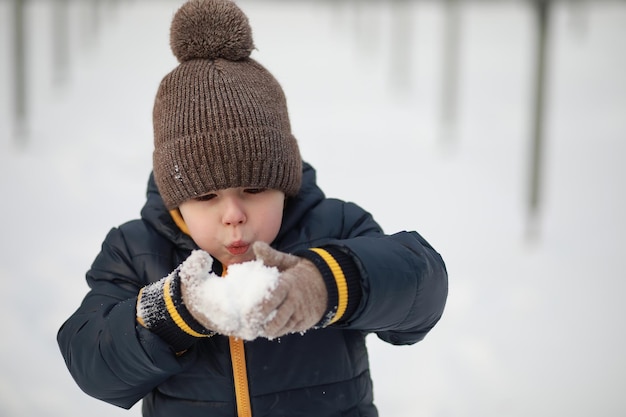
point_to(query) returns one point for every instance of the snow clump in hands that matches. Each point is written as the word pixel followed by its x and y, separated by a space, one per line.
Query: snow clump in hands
pixel 233 302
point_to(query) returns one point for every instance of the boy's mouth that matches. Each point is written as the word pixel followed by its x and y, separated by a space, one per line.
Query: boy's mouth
pixel 238 248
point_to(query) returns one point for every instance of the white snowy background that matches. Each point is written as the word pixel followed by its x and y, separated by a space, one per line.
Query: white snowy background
pixel 534 324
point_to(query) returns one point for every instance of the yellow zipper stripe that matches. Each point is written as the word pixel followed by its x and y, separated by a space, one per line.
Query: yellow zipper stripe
pixel 340 279
pixel 242 392
pixel 240 373
pixel 237 352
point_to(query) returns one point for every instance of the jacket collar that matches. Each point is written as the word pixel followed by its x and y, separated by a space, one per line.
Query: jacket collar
pixel 156 214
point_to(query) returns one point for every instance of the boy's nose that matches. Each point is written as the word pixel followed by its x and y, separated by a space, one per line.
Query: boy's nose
pixel 233 212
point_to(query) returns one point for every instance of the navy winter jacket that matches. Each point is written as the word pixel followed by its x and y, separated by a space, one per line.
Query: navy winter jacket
pixel 323 372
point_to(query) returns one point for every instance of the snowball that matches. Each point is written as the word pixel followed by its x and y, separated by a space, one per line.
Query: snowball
pixel 233 302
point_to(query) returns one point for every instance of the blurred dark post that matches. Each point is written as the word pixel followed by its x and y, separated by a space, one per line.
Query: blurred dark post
pixel 60 40
pixel 90 22
pixel 542 9
pixel 366 26
pixel 401 44
pixel 578 16
pixel 451 40
pixel 95 14
pixel 19 69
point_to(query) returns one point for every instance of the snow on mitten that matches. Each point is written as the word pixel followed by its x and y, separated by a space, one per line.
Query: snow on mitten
pixel 161 309
pixel 230 304
pixel 193 273
pixel 300 298
pixel 316 288
pixel 193 302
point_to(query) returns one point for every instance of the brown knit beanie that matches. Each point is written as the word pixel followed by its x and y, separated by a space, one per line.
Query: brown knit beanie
pixel 220 118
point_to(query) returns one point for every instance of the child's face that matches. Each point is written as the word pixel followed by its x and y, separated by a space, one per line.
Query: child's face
pixel 225 223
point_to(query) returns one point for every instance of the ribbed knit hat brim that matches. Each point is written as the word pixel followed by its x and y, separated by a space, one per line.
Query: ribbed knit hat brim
pixel 257 158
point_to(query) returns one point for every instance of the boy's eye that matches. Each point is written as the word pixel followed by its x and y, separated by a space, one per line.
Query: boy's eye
pixel 206 197
pixel 255 190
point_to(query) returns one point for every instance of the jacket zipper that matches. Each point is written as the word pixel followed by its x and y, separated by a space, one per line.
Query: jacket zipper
pixel 242 392
pixel 240 374
pixel 237 352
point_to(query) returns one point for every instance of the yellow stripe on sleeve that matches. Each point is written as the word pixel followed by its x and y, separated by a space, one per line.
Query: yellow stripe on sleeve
pixel 340 279
pixel 171 309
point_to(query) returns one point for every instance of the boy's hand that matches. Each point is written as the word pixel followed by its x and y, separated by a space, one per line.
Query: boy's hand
pixel 193 272
pixel 299 300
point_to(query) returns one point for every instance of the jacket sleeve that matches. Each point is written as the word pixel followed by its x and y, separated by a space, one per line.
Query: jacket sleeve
pixel 109 355
pixel 404 282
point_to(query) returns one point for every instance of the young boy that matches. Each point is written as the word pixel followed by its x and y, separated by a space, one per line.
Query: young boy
pixel 229 186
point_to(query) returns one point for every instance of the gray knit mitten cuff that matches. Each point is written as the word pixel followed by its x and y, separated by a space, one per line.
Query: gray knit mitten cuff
pixel 160 308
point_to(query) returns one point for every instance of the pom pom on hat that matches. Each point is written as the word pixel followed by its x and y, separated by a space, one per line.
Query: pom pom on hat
pixel 210 29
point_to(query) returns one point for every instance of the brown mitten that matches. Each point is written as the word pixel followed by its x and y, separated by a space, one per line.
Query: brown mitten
pixel 300 299
pixel 193 272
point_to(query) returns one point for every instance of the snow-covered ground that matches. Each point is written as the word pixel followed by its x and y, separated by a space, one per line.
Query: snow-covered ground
pixel 534 325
